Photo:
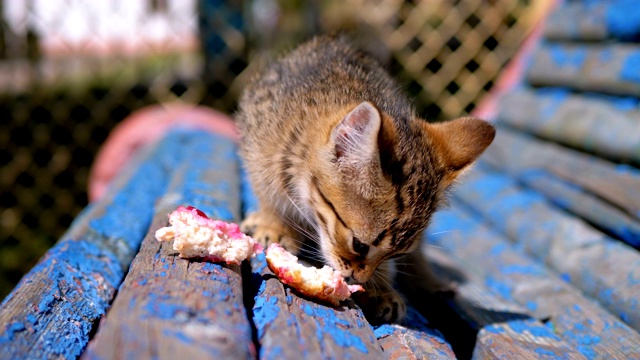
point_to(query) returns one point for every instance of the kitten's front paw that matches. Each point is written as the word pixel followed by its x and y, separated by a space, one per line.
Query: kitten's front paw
pixel 275 232
pixel 387 307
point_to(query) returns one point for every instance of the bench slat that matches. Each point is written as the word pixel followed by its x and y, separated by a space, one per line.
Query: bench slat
pixel 571 197
pixel 290 327
pixel 516 153
pixel 592 21
pixel 413 339
pixel 52 312
pixel 608 126
pixel 603 268
pixel 170 307
pixel 516 277
pixel 610 69
pixel 484 311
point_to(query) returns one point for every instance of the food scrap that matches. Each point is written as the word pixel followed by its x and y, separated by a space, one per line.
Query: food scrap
pixel 323 284
pixel 197 236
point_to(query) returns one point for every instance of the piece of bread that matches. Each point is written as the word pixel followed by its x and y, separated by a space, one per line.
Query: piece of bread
pixel 323 284
pixel 194 235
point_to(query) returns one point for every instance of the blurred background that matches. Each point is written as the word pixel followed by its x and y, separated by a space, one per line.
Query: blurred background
pixel 71 70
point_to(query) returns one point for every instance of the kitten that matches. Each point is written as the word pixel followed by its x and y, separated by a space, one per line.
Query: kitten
pixel 335 153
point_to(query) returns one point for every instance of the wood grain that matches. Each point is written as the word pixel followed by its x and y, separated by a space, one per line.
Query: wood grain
pixel 515 153
pixel 414 338
pixel 607 126
pixel 485 311
pixel 595 67
pixel 593 21
pixel 503 268
pixel 169 307
pixel 602 267
pixel 290 326
pixel 54 309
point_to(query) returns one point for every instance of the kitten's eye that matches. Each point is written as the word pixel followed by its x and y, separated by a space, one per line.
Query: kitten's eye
pixel 360 248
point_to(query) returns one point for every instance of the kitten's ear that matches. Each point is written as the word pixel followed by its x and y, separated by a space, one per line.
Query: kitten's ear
pixel 460 142
pixel 355 138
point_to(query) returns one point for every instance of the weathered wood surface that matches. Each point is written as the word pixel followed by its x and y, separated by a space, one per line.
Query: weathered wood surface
pixel 321 331
pixel 603 268
pixel 492 259
pixel 53 310
pixel 291 327
pixel 594 21
pixel 478 308
pixel 169 307
pixel 604 125
pixel 415 339
pixel 573 198
pixel 610 69
pixel 515 153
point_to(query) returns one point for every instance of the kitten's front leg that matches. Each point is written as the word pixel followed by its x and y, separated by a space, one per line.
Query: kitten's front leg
pixel 380 302
pixel 267 227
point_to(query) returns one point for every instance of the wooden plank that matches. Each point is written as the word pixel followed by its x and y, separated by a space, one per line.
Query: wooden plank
pixel 515 340
pixel 515 277
pixel 289 326
pixel 619 185
pixel 603 268
pixel 594 21
pixel 169 307
pixel 604 125
pixel 580 203
pixel 483 310
pixel 53 310
pixel 415 339
pixel 607 68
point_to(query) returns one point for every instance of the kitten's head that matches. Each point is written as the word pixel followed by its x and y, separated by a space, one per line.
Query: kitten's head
pixel 377 181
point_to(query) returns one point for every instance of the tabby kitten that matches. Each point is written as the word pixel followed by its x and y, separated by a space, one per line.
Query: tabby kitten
pixel 336 153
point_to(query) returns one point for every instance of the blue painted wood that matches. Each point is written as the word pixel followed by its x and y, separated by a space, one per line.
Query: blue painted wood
pixel 503 327
pixel 610 68
pixel 52 312
pixel 279 313
pixel 289 326
pixel 414 338
pixel 493 260
pixel 573 198
pixel 603 268
pixel 594 21
pixel 170 307
pixel 604 125
pixel 515 153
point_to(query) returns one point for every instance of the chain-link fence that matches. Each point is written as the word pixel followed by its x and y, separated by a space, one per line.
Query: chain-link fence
pixel 71 70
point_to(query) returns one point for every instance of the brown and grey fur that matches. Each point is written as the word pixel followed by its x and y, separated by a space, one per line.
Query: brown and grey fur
pixel 335 152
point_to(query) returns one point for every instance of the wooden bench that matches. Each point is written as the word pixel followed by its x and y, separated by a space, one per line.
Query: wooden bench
pixel 542 238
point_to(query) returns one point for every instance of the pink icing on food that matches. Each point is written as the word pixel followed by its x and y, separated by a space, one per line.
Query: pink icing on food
pixel 191 208
pixel 194 234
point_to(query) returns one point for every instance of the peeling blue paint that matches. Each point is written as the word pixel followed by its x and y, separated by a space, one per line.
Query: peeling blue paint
pixel 499 287
pixel 383 331
pixel 630 70
pixel 567 57
pixel 623 19
pixel 333 327
pixel 178 335
pixel 82 273
pixel 265 310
